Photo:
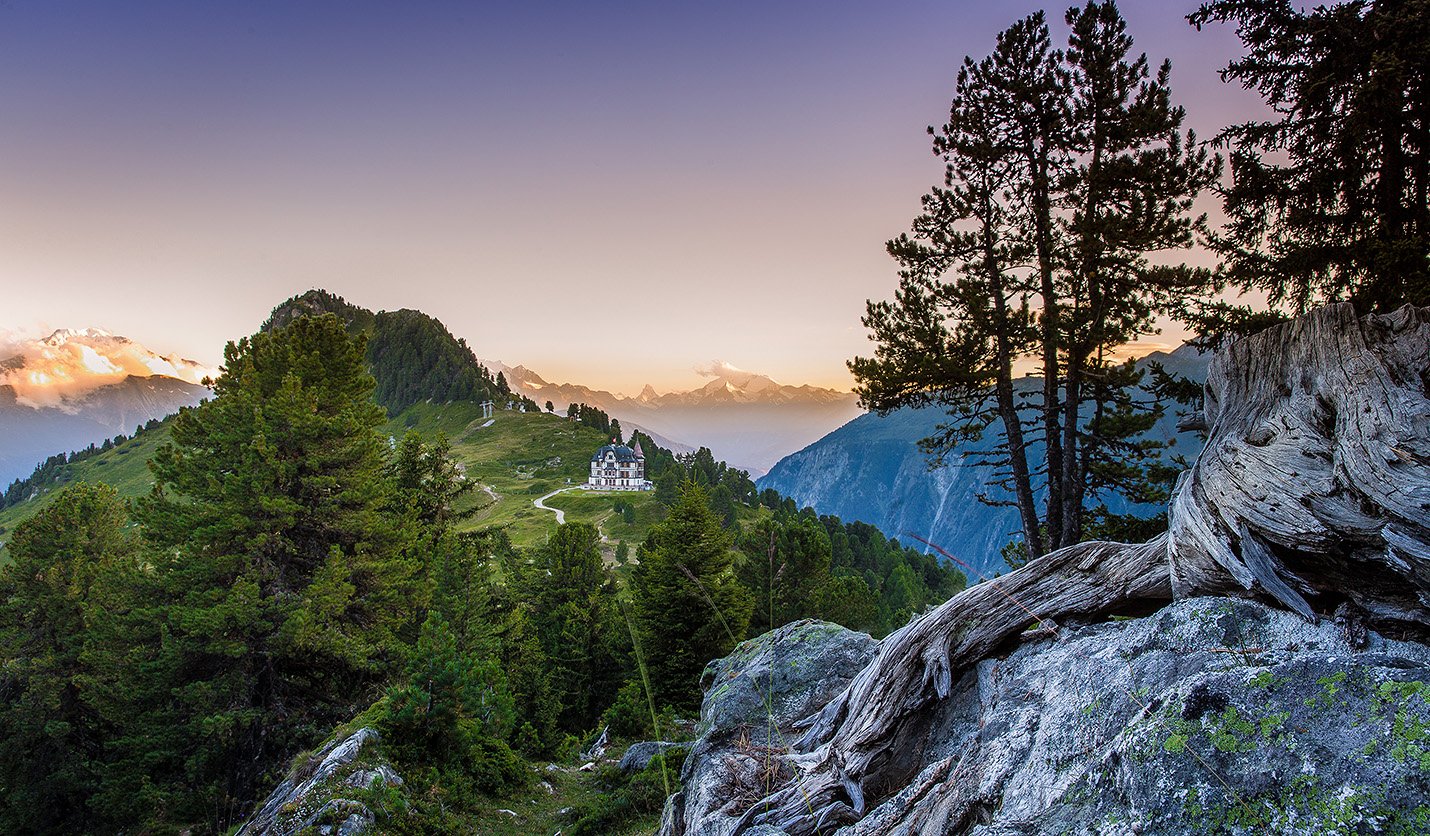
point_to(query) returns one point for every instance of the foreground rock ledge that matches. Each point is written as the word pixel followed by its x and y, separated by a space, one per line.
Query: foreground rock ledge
pixel 1312 496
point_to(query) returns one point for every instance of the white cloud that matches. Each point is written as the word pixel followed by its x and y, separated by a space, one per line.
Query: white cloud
pixel 720 368
pixel 67 365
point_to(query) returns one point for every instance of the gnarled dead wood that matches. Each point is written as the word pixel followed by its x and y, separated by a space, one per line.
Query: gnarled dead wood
pixel 1313 489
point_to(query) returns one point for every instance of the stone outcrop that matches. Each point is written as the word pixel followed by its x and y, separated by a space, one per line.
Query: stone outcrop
pixel 1211 715
pixel 314 795
pixel 1312 497
pixel 639 755
pixel 754 697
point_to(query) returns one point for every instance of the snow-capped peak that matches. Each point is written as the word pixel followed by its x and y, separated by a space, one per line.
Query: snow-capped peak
pixel 64 367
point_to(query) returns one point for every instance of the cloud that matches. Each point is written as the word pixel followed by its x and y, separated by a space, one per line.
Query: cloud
pixel 59 370
pixel 720 368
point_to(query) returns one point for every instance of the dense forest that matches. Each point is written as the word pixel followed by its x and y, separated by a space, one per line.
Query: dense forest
pixel 293 569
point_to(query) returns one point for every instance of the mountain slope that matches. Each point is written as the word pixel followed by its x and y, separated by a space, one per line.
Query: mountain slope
pixel 872 470
pixel 72 405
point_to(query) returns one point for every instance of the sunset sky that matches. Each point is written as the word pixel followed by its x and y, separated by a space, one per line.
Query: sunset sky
pixel 609 193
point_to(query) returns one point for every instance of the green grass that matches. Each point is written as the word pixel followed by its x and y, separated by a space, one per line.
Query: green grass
pixel 520 458
pixel 599 509
pixel 523 457
pixel 125 467
pixel 539 811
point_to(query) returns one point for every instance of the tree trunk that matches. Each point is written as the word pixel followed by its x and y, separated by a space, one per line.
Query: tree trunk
pixel 1313 490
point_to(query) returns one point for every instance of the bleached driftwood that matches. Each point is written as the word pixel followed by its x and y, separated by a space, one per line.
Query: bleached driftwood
pixel 1313 491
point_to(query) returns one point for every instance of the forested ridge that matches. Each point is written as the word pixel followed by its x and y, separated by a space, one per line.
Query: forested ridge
pixel 412 355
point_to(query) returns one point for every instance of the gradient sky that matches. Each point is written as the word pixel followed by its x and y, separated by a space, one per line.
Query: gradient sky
pixel 610 193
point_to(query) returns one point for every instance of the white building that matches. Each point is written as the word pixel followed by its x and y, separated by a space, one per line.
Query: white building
pixel 617 467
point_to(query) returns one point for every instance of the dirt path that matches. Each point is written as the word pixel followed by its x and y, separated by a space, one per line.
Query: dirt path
pixel 541 503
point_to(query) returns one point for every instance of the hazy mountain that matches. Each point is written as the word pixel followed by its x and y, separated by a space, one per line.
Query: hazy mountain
pixel 76 388
pixel 745 418
pixel 871 469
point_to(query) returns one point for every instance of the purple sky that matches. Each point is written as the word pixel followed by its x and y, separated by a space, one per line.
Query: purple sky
pixel 611 194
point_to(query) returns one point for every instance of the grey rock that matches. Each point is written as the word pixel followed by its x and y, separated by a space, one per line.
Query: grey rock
pixel 753 699
pixel 1212 715
pixel 352 818
pixel 782 676
pixel 639 755
pixel 365 778
pixel 304 798
pixel 598 747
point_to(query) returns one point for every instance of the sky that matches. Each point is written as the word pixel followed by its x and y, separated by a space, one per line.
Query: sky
pixel 612 193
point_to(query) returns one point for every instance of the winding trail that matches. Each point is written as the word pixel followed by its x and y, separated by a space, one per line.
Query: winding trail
pixel 541 503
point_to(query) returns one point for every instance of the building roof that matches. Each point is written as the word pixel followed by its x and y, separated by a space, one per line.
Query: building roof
pixel 623 453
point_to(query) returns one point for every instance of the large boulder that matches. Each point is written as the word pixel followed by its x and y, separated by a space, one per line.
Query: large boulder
pixel 1214 715
pixel 753 700
pixel 639 755
pixel 1312 494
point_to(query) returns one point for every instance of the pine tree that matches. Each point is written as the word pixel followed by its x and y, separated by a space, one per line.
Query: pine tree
pixel 529 675
pixel 573 598
pixel 1064 171
pixel 449 700
pixel 786 561
pixel 72 564
pixel 688 605
pixel 280 583
pixel 1330 198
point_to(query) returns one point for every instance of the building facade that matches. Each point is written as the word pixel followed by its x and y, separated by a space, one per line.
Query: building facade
pixel 617 467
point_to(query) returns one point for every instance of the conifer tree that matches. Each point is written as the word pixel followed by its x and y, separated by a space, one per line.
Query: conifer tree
pixel 786 563
pixel 73 563
pixel 533 690
pixel 688 605
pixel 280 580
pixel 573 599
pixel 1330 198
pixel 1064 171
pixel 449 701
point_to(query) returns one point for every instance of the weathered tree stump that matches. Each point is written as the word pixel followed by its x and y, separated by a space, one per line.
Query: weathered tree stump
pixel 1313 491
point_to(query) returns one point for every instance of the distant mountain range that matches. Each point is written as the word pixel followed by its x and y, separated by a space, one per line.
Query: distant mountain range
pixel 76 388
pixel 745 418
pixel 871 469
